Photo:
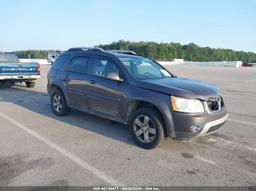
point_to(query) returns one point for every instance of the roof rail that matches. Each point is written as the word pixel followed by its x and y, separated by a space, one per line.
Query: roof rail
pixel 86 49
pixel 122 52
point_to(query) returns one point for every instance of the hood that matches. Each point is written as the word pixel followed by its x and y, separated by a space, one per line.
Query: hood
pixel 180 87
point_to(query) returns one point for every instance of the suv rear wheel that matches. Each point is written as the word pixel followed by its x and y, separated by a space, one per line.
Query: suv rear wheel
pixel 146 127
pixel 59 104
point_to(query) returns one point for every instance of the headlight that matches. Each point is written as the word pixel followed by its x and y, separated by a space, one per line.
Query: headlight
pixel 186 105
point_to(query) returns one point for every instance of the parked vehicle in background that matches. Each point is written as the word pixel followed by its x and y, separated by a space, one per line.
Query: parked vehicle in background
pixel 252 64
pixel 52 56
pixel 136 91
pixel 12 71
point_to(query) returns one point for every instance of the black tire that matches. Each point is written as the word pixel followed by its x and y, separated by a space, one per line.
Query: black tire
pixel 30 84
pixel 12 84
pixel 1 83
pixel 63 108
pixel 8 84
pixel 154 119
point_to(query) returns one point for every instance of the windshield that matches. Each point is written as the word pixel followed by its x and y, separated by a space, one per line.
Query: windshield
pixel 8 58
pixel 143 68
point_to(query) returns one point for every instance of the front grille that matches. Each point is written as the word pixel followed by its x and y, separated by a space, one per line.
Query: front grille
pixel 215 103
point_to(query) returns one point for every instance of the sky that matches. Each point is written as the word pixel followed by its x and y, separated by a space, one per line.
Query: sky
pixel 61 24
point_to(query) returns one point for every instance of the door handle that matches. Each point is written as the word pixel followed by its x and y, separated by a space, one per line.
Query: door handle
pixel 92 81
pixel 66 78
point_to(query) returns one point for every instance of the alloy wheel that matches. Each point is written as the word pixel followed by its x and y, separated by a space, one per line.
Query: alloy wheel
pixel 57 103
pixel 144 129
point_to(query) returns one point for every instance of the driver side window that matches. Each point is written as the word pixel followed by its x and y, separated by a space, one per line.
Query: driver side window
pixel 103 67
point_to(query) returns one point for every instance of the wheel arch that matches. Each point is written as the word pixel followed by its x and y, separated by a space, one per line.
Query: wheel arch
pixel 136 104
pixel 55 86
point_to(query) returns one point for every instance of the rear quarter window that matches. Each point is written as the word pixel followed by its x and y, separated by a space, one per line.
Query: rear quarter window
pixel 79 65
pixel 61 62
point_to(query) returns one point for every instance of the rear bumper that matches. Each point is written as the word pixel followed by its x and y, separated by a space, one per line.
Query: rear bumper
pixel 19 77
pixel 184 124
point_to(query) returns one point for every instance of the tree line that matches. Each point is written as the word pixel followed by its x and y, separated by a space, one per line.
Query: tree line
pixel 38 54
pixel 189 52
pixel 164 51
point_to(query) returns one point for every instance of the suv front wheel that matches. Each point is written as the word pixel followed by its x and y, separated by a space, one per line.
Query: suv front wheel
pixel 146 127
pixel 58 103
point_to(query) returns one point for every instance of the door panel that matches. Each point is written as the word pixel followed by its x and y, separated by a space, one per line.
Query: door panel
pixel 76 90
pixel 105 96
pixel 77 82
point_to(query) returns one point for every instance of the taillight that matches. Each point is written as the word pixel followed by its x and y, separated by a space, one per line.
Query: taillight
pixel 38 68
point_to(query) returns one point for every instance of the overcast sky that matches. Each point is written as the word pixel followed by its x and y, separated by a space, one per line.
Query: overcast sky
pixel 60 24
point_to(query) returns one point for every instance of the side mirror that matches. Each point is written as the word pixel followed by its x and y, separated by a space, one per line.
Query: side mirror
pixel 114 76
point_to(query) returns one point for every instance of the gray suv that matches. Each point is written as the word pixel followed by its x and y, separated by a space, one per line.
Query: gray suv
pixel 136 91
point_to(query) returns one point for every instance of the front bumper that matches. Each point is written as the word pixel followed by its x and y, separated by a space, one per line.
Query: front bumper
pixel 208 123
pixel 213 126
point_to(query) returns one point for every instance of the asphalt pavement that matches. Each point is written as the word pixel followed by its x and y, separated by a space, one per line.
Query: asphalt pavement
pixel 39 149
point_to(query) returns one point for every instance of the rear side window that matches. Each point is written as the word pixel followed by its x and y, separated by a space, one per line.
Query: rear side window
pixel 79 65
pixel 61 60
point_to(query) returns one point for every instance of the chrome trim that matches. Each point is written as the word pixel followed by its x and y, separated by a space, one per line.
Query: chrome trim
pixel 20 77
pixel 208 125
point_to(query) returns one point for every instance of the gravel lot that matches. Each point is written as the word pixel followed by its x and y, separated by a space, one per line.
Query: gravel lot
pixel 40 149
